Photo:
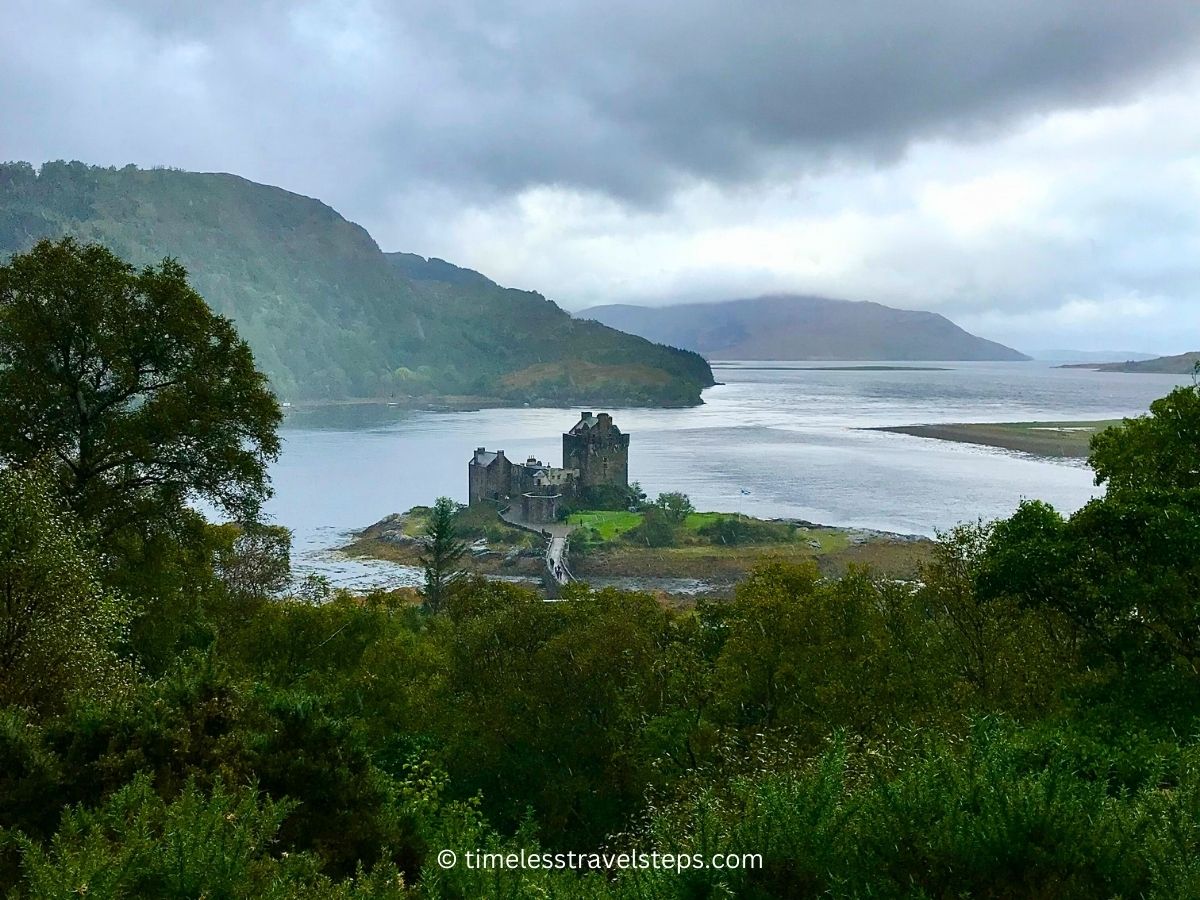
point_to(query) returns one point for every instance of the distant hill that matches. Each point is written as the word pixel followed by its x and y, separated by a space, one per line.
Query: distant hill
pixel 330 316
pixel 798 327
pixel 1183 364
pixel 1089 356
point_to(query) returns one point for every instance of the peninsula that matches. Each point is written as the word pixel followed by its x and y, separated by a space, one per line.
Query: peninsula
pixel 1056 439
pixel 1181 364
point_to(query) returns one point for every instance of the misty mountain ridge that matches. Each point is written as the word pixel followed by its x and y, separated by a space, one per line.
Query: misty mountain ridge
pixel 328 315
pixel 799 327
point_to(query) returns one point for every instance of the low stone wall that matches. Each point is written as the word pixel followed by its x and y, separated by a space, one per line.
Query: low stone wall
pixel 512 520
pixel 541 508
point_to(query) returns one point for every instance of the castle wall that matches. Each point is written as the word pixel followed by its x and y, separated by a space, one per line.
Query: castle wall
pixel 595 454
pixel 599 452
pixel 539 509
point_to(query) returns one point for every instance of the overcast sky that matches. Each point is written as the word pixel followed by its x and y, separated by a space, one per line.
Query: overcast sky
pixel 1029 168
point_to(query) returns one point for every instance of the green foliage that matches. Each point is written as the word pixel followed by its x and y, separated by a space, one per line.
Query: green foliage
pixel 735 530
pixel 1123 570
pixel 201 844
pixel 61 632
pixel 657 529
pixel 1020 722
pixel 608 524
pixel 128 385
pixel 676 506
pixel 1011 652
pixel 662 521
pixel 611 497
pixel 1155 451
pixel 442 552
pixel 253 560
pixel 991 816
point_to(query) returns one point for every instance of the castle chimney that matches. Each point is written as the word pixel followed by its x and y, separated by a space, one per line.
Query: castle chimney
pixel 480 450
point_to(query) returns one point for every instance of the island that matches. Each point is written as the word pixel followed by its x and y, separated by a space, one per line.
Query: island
pixel 585 521
pixel 705 557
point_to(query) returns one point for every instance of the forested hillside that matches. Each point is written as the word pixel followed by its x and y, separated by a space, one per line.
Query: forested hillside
pixel 328 315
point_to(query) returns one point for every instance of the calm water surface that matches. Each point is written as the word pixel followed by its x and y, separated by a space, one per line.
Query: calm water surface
pixel 789 435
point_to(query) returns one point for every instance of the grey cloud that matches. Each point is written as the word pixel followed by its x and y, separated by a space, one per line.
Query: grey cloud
pixel 624 98
pixel 427 120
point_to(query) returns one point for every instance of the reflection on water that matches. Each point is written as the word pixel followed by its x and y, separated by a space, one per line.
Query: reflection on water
pixel 772 440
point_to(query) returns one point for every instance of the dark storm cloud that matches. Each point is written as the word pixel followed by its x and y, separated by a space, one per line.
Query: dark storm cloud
pixel 492 97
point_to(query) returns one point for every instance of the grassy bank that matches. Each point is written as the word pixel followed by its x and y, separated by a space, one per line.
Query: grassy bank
pixel 1059 439
pixel 726 565
pixel 724 547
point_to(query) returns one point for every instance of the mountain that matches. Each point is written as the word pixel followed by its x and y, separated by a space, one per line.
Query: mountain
pixel 1090 356
pixel 1183 364
pixel 797 327
pixel 327 313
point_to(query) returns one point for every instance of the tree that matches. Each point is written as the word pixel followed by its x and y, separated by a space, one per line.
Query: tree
pixel 442 554
pixel 677 506
pixel 1156 451
pixel 657 528
pixel 59 628
pixel 137 394
pixel 253 560
pixel 662 520
pixel 635 495
pixel 981 586
pixel 1123 568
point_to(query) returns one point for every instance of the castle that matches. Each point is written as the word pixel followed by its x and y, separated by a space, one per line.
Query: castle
pixel 595 455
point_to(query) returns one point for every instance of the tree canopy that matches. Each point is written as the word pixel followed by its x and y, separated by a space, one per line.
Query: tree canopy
pixel 60 629
pixel 1152 451
pixel 126 384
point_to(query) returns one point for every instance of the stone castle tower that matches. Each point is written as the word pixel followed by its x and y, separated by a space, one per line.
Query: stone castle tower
pixel 595 454
pixel 598 451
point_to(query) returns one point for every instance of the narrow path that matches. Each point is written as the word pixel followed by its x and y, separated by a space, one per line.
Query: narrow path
pixel 556 534
pixel 555 561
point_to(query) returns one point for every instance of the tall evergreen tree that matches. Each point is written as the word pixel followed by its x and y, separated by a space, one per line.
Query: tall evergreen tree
pixel 440 560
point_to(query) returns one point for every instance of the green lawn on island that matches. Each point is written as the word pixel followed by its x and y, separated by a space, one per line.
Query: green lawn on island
pixel 609 524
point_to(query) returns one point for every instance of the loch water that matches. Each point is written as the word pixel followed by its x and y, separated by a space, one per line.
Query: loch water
pixel 772 440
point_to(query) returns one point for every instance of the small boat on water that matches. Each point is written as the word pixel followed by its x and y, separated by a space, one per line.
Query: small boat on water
pixel 744 491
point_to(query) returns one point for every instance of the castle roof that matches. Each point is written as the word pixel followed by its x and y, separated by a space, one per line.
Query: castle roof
pixel 588 421
pixel 485 457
